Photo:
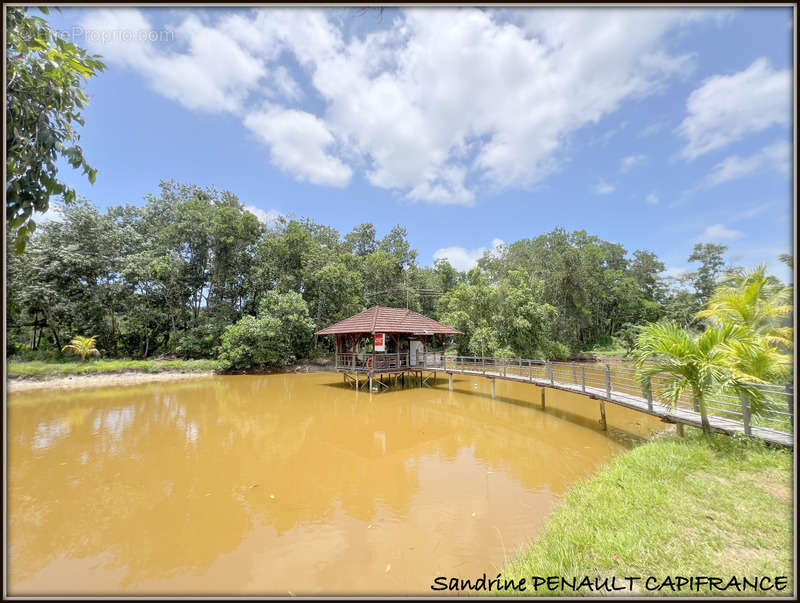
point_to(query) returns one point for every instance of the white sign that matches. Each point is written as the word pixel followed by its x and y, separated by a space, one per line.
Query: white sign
pixel 380 343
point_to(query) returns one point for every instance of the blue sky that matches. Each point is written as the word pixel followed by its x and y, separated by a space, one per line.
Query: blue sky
pixel 656 129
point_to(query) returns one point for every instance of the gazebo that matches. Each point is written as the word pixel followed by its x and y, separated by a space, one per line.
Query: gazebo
pixel 386 341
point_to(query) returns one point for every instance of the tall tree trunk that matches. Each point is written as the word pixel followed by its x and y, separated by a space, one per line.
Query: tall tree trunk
pixel 146 343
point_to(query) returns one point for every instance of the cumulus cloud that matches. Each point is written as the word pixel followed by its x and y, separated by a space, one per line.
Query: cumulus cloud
pixel 718 233
pixel 630 161
pixel 776 156
pixel 603 187
pixel 725 108
pixel 298 144
pixel 651 199
pixel 440 105
pixel 211 73
pixel 465 259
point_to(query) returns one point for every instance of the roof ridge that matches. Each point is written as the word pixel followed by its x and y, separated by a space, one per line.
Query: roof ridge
pixel 375 318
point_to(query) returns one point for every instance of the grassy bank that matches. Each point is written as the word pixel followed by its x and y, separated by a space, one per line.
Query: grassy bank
pixel 37 369
pixel 695 506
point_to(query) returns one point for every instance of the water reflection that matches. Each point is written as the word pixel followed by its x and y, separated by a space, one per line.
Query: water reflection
pixel 278 483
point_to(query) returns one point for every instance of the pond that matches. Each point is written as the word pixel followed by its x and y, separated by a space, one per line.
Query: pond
pixel 289 483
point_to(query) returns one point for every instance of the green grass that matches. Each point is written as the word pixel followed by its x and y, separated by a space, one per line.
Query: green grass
pixel 37 369
pixel 692 506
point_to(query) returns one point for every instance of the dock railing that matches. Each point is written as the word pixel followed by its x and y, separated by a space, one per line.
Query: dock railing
pixel 770 407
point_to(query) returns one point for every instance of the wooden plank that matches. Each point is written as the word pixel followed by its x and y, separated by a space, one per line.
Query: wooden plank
pixel 679 416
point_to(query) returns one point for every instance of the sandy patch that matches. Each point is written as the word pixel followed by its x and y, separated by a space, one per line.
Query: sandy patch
pixel 101 380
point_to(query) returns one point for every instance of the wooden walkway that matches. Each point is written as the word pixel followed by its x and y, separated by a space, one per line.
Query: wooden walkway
pixel 680 416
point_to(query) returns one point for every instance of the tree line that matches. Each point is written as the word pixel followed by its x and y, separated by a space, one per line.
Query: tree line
pixel 191 273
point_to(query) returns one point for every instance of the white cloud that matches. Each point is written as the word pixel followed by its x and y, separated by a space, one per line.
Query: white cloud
pixel 298 144
pixel 775 156
pixel 728 107
pixel 603 187
pixel 717 233
pixel 268 217
pixel 652 199
pixel 442 103
pixel 214 73
pixel 630 161
pixel 465 259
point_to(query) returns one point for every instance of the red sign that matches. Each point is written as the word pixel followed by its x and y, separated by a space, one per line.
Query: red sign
pixel 379 345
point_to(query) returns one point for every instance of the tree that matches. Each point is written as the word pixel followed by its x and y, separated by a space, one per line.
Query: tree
pixel 279 335
pixel 82 346
pixel 702 363
pixel 362 239
pixel 761 304
pixel 646 269
pixel 711 264
pixel 44 79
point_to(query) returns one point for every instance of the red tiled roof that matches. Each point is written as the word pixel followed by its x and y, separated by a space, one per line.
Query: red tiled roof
pixel 380 319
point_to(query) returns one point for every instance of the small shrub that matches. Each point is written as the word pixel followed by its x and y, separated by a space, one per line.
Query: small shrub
pixel 555 350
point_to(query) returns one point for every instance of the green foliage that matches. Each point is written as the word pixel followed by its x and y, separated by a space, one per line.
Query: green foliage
pixel 201 340
pixel 277 337
pixel 711 266
pixel 44 80
pixel 761 304
pixel 702 364
pixel 82 346
pixel 171 276
pixel 555 350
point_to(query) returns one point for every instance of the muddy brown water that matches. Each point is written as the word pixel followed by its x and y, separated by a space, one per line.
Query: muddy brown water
pixel 289 483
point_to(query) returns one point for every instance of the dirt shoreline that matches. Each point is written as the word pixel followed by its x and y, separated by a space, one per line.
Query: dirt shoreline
pixel 25 384
pixel 17 385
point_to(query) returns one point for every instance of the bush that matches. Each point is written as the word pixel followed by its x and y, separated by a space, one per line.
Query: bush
pixel 201 341
pixel 555 350
pixel 280 335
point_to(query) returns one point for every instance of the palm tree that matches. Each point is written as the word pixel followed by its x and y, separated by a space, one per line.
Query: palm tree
pixel 83 346
pixel 756 300
pixel 702 363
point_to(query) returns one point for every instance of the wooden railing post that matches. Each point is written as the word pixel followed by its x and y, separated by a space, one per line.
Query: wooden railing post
pixel 550 372
pixel 790 402
pixel 483 362
pixel 574 373
pixel 608 382
pixel 353 361
pixel 520 366
pixel 583 378
pixel 745 412
pixel 530 371
pixel 505 366
pixel 650 395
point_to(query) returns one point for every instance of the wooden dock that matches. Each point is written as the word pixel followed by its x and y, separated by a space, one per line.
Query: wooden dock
pixel 680 416
pixel 726 413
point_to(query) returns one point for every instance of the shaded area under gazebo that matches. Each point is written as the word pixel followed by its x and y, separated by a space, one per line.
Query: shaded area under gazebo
pixel 388 341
